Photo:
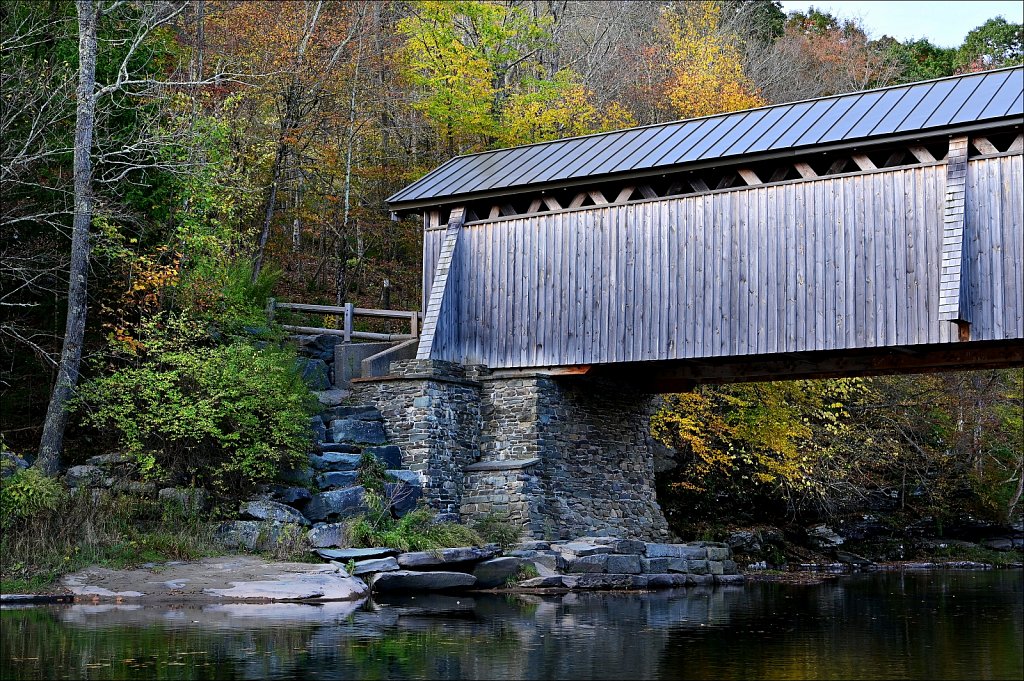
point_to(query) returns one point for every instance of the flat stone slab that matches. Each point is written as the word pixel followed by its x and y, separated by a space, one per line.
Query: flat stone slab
pixel 446 556
pixel 611 582
pixel 331 398
pixel 362 412
pixel 690 551
pixel 345 555
pixel 375 565
pixel 544 582
pixel 337 586
pixel 217 578
pixel 337 479
pixel 409 580
pixel 503 465
pixel 335 461
pixel 411 478
pixel 356 431
pixel 581 549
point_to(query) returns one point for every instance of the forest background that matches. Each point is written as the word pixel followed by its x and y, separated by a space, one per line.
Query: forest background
pixel 242 149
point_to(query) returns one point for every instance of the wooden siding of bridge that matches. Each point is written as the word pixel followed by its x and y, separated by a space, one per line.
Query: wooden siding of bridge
pixel 825 264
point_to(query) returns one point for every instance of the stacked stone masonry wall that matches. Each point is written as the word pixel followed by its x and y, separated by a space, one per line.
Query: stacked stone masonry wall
pixel 563 458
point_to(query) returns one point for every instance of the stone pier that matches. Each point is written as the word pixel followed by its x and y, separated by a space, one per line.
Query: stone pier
pixel 563 457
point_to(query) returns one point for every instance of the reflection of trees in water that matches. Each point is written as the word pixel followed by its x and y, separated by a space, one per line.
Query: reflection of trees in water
pixel 922 625
pixel 882 626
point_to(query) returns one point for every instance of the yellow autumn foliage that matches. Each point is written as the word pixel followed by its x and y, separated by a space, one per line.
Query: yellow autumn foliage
pixel 707 67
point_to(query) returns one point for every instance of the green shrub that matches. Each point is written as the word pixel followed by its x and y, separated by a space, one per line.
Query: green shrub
pixel 26 493
pixel 497 528
pixel 416 531
pixel 372 473
pixel 229 417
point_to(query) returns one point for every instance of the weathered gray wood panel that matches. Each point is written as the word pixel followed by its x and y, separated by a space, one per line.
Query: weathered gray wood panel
pixel 833 263
pixel 994 215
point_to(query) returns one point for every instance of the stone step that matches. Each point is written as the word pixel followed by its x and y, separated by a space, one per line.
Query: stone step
pixel 362 412
pixel 408 580
pixel 355 431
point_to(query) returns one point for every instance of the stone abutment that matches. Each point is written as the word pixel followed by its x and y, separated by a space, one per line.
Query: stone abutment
pixel 562 457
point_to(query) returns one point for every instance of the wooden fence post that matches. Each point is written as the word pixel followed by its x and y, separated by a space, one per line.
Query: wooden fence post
pixel 271 303
pixel 349 313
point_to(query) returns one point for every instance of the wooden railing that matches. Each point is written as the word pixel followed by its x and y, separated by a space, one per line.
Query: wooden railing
pixel 349 312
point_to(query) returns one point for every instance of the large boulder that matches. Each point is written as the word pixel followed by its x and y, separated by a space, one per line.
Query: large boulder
pixel 289 495
pixel 358 432
pixel 463 554
pixel 326 535
pixel 319 346
pixel 296 587
pixel 264 509
pixel 11 463
pixel 403 497
pixel 389 455
pixel 496 572
pixel 336 504
pixel 823 538
pixel 85 476
pixel 297 476
pixel 253 535
pixel 188 499
pixel 409 580
pixel 314 373
pixel 318 428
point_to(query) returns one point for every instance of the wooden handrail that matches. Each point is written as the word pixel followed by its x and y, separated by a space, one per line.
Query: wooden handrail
pixel 349 311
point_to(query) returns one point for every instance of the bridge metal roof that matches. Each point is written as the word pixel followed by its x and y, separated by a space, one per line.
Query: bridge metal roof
pixel 840 120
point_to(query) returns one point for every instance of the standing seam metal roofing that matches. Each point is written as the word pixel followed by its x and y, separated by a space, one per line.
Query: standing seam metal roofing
pixel 851 117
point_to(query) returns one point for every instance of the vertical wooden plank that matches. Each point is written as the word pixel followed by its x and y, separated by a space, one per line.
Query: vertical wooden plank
pixel 655 276
pixel 920 200
pixel 736 272
pixel 863 273
pixel 794 232
pixel 707 313
pixel 670 218
pixel 834 274
pixel 544 295
pixel 556 338
pixel 759 286
pixel 653 288
pixel 824 283
pixel 1013 234
pixel 676 271
pixel 890 221
pixel 900 283
pixel 688 251
pixel 640 247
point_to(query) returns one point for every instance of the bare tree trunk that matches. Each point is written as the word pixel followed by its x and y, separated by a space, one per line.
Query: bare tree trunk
pixel 52 442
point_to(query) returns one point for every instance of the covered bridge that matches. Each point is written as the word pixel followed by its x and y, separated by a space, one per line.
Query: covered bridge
pixel 873 232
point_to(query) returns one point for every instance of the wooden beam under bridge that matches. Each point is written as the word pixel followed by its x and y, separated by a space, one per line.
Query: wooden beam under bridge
pixel 682 375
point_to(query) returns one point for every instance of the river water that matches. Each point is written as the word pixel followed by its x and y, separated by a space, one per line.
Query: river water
pixel 913 625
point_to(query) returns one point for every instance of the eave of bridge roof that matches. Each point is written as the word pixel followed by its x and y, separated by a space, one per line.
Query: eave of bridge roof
pixel 902 111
